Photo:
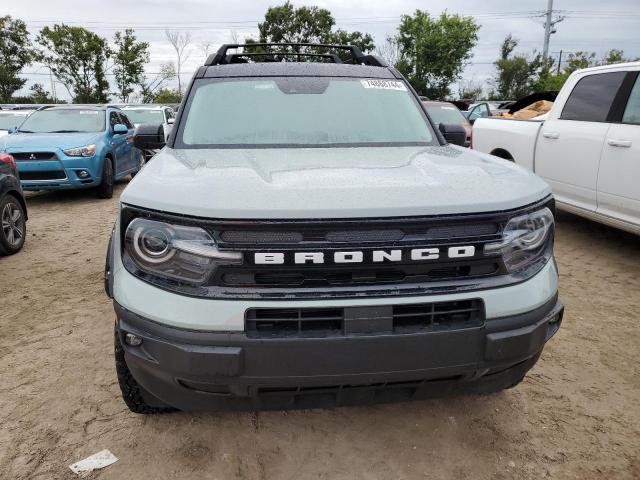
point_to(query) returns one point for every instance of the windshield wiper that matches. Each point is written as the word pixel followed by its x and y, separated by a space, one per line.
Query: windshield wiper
pixel 65 131
pixel 24 131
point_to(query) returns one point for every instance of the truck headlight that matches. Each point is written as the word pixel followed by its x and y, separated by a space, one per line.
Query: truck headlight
pixel 525 239
pixel 176 252
pixel 85 151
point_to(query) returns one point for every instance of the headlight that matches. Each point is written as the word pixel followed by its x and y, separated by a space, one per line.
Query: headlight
pixel 176 252
pixel 86 151
pixel 525 239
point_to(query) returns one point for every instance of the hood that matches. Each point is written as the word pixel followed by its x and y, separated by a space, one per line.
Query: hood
pixel 331 182
pixel 47 141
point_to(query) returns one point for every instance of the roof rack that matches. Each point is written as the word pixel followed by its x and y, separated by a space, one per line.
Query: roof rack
pixel 357 57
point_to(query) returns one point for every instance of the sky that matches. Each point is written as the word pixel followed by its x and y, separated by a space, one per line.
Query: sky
pixel 590 25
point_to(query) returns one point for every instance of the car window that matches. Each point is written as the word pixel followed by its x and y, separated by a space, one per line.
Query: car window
pixel 632 111
pixel 140 116
pixel 125 120
pixel 11 119
pixel 445 114
pixel 591 98
pixel 302 111
pixel 113 119
pixel 479 111
pixel 64 121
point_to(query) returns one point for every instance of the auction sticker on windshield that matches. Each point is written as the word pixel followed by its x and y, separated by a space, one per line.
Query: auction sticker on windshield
pixel 384 84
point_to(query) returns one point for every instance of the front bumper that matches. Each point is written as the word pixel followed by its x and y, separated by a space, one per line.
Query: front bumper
pixel 61 172
pixel 203 370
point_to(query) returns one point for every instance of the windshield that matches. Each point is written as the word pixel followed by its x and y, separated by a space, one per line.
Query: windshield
pixel 154 117
pixel 11 119
pixel 60 120
pixel 445 114
pixel 302 111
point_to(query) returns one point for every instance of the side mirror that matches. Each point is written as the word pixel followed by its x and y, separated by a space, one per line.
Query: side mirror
pixel 12 130
pixel 149 137
pixel 120 128
pixel 171 121
pixel 453 133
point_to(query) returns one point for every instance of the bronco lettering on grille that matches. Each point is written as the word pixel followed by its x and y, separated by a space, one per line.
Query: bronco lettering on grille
pixel 358 256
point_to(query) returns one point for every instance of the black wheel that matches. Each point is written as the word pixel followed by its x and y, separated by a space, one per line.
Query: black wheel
pixel 131 391
pixel 105 189
pixel 13 225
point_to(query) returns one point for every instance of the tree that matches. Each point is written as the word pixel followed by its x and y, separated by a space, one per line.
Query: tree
pixel 38 95
pixel 577 60
pixel 150 88
pixel 469 90
pixel 168 96
pixel 516 74
pixel 286 24
pixel 15 54
pixel 129 59
pixel 433 52
pixel 389 50
pixel 77 58
pixel 179 41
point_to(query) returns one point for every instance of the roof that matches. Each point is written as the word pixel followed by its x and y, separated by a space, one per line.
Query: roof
pixel 75 106
pixel 612 67
pixel 144 107
pixel 295 69
pixel 434 103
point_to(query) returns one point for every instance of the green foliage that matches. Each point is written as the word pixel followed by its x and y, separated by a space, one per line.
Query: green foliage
pixel 295 25
pixel 287 24
pixel 15 53
pixel 167 96
pixel 38 95
pixel 434 51
pixel 469 90
pixel 150 88
pixel 129 59
pixel 77 58
pixel 578 60
pixel 516 74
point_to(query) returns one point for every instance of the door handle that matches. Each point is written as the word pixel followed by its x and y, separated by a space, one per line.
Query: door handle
pixel 551 135
pixel 619 143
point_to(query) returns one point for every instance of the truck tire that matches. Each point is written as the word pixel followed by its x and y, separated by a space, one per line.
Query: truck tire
pixel 13 226
pixel 131 391
pixel 105 189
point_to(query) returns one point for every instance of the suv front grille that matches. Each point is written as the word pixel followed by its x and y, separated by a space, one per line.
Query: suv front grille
pixel 25 156
pixel 337 322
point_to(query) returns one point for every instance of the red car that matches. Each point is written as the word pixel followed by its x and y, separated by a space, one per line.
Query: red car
pixel 448 113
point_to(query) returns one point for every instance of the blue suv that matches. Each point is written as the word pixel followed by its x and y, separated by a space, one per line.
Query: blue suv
pixel 74 146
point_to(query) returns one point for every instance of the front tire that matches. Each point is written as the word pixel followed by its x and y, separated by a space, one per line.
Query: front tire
pixel 13 226
pixel 131 390
pixel 105 189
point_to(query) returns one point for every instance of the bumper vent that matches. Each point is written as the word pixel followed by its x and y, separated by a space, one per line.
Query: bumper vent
pixel 339 322
pixel 44 175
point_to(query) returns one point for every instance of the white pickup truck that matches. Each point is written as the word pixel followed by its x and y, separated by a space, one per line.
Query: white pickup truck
pixel 588 147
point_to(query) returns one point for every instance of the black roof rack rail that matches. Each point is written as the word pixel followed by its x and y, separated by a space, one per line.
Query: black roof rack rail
pixel 330 56
pixel 357 57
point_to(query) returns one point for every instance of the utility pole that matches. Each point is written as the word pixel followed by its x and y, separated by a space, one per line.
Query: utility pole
pixel 559 61
pixel 549 29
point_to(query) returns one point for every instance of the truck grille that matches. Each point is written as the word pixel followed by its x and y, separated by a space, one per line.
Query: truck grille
pixel 335 322
pixel 25 156
pixel 364 235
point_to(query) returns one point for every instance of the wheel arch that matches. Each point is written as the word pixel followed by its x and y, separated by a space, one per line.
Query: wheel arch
pixel 502 153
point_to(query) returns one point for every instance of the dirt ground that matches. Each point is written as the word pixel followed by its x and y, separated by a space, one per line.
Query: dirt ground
pixel 576 416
